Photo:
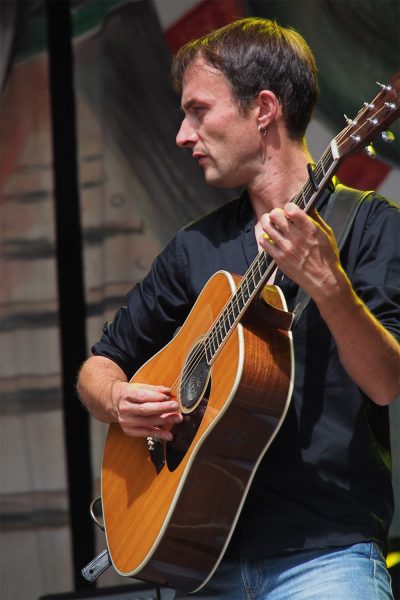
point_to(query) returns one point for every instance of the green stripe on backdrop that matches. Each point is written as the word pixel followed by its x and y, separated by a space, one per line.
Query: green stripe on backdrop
pixel 31 15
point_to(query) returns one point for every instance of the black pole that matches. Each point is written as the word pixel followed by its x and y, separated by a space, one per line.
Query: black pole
pixel 70 281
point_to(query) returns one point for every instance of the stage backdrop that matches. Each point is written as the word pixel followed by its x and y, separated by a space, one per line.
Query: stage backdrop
pixel 135 190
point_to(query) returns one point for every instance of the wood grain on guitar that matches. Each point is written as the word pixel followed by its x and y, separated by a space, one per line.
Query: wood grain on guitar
pixel 171 527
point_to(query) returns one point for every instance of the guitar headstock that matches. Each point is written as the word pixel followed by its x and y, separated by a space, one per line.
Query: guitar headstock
pixel 371 119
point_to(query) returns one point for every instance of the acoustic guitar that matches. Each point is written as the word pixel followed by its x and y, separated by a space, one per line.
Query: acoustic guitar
pixel 170 508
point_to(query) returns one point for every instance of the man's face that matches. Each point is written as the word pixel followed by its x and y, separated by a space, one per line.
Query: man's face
pixel 224 140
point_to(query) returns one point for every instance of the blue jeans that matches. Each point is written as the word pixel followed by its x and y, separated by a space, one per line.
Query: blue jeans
pixel 355 572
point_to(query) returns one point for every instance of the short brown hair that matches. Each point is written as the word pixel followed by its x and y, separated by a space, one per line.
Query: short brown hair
pixel 256 54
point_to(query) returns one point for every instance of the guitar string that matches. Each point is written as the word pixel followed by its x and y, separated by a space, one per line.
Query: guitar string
pixel 227 311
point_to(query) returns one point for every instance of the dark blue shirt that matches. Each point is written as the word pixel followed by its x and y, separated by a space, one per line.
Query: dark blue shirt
pixel 325 480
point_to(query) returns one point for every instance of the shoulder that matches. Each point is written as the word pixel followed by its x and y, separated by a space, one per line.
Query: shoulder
pixel 228 215
pixel 208 233
pixel 374 202
pixel 194 253
pixel 377 213
pixel 373 242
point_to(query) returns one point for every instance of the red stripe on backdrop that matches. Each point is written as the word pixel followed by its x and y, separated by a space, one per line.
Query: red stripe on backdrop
pixel 362 172
pixel 208 15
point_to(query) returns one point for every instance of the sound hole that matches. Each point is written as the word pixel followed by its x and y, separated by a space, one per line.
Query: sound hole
pixel 184 432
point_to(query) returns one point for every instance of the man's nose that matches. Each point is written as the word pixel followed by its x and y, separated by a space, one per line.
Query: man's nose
pixel 187 135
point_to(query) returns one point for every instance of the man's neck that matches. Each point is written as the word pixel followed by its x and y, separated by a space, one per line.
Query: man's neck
pixel 283 176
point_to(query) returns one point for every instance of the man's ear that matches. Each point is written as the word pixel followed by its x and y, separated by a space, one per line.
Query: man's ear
pixel 269 108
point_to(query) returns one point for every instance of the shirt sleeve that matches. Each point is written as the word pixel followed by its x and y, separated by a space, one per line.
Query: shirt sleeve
pixel 155 308
pixel 376 272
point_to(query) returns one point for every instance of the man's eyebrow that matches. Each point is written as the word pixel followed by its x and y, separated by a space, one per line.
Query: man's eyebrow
pixel 187 105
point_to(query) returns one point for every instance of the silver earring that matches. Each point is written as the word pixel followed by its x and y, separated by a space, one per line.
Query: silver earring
pixel 262 130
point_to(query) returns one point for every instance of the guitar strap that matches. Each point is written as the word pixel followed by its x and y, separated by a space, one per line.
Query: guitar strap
pixel 340 213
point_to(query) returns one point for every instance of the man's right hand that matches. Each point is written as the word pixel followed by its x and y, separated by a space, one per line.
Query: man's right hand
pixel 144 410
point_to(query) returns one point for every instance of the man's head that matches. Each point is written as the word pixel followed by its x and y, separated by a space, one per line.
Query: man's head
pixel 254 55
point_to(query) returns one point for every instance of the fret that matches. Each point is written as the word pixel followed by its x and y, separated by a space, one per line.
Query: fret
pixel 221 328
pixel 246 292
pixel 211 349
pixel 224 323
pixel 327 159
pixel 264 260
pixel 319 174
pixel 306 193
pixel 257 276
pixel 209 353
pixel 214 346
pixel 235 308
pixel 251 284
pixel 260 269
pixel 239 296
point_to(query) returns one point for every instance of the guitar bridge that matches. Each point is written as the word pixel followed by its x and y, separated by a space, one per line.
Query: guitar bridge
pixel 156 452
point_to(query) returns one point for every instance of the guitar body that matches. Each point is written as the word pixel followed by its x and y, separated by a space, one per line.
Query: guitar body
pixel 171 525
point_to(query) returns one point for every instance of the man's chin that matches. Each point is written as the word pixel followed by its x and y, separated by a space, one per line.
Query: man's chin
pixel 215 180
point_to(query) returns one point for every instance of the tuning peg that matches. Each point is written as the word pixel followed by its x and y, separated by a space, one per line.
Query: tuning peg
pixel 388 136
pixel 387 88
pixel 370 150
pixel 349 121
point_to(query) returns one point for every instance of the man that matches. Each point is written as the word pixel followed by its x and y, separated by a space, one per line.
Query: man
pixel 317 514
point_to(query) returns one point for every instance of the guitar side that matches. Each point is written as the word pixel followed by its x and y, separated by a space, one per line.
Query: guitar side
pixel 173 526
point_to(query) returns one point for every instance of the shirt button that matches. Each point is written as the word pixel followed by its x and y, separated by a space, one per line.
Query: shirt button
pixel 247 228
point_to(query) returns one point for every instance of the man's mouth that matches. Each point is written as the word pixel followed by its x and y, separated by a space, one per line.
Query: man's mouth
pixel 199 157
